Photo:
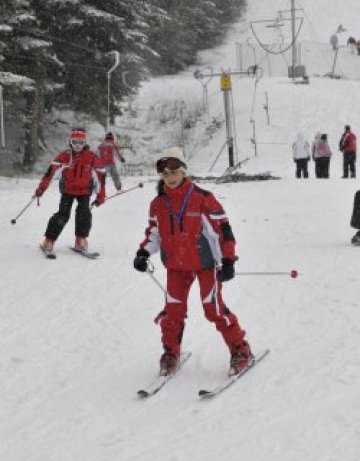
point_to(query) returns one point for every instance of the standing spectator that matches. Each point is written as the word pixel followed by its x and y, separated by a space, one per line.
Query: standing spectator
pixel 334 42
pixel 80 173
pixel 357 44
pixel 321 156
pixel 352 43
pixel 192 232
pixel 108 151
pixel 301 155
pixel 347 146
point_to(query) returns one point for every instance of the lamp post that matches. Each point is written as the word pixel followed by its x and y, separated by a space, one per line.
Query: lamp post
pixel 117 61
pixel 2 129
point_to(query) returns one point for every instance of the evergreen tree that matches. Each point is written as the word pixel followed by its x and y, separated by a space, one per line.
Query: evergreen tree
pixel 85 34
pixel 189 27
pixel 26 55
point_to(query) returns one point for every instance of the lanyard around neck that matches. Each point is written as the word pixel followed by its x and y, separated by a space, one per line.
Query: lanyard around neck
pixel 179 215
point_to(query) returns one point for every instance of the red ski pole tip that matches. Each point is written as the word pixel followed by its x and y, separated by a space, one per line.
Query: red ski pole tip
pixel 294 274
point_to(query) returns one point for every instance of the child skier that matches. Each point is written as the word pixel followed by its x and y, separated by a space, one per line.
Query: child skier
pixel 80 173
pixel 107 151
pixel 190 228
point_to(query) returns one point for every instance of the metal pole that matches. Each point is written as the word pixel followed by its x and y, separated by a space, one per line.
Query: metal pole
pixel 226 88
pixel 117 61
pixel 293 47
pixel 2 129
pixel 334 63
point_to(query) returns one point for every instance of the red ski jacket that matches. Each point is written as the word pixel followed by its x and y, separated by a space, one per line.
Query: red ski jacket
pixel 190 228
pixel 107 151
pixel 347 143
pixel 78 173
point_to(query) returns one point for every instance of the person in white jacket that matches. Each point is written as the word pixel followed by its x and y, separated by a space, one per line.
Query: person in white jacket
pixel 301 155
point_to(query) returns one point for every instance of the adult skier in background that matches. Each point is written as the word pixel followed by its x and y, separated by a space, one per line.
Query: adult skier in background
pixel 347 145
pixel 321 153
pixel 80 173
pixel 191 230
pixel 301 155
pixel 108 152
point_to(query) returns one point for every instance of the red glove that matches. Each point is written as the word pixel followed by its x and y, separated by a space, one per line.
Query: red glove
pixel 38 192
pixel 99 200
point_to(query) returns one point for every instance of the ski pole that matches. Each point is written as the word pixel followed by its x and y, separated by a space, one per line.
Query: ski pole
pixel 150 270
pixel 13 221
pixel 120 193
pixel 293 273
pixel 124 191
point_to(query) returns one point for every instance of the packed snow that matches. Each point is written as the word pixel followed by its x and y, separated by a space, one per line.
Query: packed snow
pixel 77 338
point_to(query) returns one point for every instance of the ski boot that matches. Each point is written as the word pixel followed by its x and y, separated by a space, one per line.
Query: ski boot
pixel 241 358
pixel 81 244
pixel 356 239
pixel 168 363
pixel 48 245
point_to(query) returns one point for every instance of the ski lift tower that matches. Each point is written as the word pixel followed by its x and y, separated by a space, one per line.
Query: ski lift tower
pixel 296 69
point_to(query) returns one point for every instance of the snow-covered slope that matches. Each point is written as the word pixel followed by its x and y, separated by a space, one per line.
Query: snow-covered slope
pixel 77 337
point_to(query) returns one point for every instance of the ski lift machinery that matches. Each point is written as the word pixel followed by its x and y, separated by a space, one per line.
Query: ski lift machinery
pixel 295 70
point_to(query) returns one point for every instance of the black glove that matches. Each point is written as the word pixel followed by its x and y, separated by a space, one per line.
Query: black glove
pixel 141 260
pixel 122 160
pixel 227 271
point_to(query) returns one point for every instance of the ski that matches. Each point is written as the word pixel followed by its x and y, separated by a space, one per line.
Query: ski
pixel 160 381
pixel 208 393
pixel 49 254
pixel 86 253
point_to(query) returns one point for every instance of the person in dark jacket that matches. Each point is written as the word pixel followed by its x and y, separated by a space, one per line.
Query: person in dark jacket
pixel 191 230
pixel 347 145
pixel 80 173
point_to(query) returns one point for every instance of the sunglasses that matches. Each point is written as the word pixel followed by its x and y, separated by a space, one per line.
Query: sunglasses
pixel 77 142
pixel 169 163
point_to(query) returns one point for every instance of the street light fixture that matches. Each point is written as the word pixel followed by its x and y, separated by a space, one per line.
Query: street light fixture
pixel 117 62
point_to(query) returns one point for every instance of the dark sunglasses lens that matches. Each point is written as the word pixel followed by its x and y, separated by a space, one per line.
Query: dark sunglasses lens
pixel 169 163
pixel 160 165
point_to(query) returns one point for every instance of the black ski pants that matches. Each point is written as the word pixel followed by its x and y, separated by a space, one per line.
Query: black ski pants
pixel 83 218
pixel 355 218
pixel 302 167
pixel 322 165
pixel 349 164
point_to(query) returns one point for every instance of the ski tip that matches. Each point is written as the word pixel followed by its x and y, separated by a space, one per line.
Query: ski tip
pixel 142 393
pixel 205 394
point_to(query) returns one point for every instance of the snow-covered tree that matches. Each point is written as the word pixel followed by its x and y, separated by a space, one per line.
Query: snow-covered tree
pixel 26 53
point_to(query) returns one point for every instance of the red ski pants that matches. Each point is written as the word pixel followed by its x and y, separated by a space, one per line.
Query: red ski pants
pixel 172 318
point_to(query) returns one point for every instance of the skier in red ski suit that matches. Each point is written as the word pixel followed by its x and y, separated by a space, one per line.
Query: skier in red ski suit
pixel 191 230
pixel 80 173
pixel 108 150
